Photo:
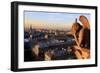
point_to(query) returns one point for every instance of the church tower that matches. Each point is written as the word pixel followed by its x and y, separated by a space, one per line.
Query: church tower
pixel 30 32
pixel 76 20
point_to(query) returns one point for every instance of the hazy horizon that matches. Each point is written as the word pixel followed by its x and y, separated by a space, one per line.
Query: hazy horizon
pixel 51 20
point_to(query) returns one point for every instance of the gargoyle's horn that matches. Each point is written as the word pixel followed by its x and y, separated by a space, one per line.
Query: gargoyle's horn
pixel 84 21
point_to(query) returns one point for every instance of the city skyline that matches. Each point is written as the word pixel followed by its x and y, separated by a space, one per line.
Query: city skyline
pixel 51 20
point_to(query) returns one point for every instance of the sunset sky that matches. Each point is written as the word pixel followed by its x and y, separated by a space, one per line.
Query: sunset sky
pixel 51 20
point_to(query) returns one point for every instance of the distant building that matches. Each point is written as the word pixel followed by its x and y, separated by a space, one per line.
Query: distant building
pixel 30 32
